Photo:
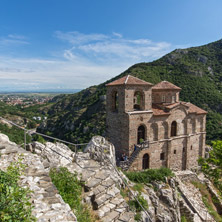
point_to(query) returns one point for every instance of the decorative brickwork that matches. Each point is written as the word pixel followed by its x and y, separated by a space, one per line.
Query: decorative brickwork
pixel 142 112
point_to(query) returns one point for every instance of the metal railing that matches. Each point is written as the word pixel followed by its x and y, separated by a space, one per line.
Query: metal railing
pixel 31 132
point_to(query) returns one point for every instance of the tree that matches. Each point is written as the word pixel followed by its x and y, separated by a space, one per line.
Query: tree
pixel 212 166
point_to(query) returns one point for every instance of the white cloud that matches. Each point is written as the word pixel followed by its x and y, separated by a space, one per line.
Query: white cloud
pixel 111 48
pixel 88 59
pixel 12 40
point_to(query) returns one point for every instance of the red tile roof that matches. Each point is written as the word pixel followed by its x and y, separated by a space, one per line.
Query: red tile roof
pixel 157 111
pixel 128 80
pixel 193 108
pixel 165 85
pixel 165 109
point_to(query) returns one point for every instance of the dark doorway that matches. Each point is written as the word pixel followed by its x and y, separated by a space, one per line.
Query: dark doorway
pixel 174 128
pixel 146 161
pixel 141 134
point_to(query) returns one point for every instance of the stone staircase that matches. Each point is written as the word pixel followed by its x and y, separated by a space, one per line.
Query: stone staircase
pixel 102 189
pixel 125 165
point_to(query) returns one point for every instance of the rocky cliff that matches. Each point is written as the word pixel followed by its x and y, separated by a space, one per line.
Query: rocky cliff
pixel 103 185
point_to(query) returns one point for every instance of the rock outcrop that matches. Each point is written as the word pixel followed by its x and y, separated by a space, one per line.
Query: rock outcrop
pixel 167 201
pixel 100 150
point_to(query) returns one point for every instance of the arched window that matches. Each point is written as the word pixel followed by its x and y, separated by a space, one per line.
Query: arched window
pixel 174 128
pixel 138 101
pixel 146 161
pixel 115 101
pixel 141 134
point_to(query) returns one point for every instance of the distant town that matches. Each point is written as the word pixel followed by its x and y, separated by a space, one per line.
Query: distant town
pixel 26 99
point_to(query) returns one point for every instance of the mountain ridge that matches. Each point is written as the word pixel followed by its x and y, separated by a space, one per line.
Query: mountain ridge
pixel 197 70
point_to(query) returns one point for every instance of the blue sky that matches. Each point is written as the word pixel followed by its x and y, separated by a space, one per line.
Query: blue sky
pixel 47 44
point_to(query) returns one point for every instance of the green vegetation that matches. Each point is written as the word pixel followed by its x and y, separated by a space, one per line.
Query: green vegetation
pixel 197 70
pixel 135 206
pixel 138 187
pixel 14 204
pixel 183 219
pixel 15 134
pixel 70 188
pixel 208 201
pixel 212 166
pixel 149 175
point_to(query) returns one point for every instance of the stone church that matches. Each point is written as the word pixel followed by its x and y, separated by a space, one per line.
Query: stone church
pixel 152 127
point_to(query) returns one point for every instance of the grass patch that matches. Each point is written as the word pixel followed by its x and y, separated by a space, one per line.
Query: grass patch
pixel 70 188
pixel 138 187
pixel 149 175
pixel 183 219
pixel 208 200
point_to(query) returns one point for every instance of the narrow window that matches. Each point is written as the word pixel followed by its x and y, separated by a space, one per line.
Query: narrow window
pixel 138 100
pixel 174 151
pixel 174 128
pixel 162 156
pixel 163 98
pixel 115 102
pixel 191 147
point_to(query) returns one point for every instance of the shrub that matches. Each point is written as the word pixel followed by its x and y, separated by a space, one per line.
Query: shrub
pixel 70 188
pixel 149 175
pixel 14 204
pixel 134 205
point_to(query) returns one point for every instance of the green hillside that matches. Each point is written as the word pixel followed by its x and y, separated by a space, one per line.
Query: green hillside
pixel 197 70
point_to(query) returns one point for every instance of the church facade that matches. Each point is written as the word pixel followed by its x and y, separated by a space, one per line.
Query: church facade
pixel 152 127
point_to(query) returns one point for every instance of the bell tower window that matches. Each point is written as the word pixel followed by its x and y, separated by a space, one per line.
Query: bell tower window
pixel 138 101
pixel 115 101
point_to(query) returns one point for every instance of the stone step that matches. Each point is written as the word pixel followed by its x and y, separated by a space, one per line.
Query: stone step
pixel 103 174
pixel 99 190
pixel 117 200
pixel 105 209
pixel 93 182
pixel 102 200
pixel 112 191
pixel 126 217
pixel 123 207
pixel 110 217
pixel 108 183
pixel 87 175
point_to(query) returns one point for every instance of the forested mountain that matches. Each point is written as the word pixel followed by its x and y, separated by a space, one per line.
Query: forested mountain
pixel 197 70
